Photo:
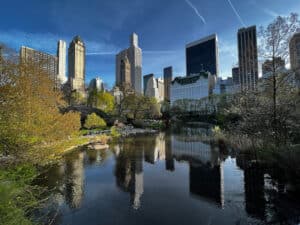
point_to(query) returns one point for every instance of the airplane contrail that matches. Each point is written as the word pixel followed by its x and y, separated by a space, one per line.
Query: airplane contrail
pixel 196 11
pixel 236 13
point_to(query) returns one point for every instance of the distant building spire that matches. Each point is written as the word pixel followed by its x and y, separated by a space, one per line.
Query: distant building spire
pixel 134 42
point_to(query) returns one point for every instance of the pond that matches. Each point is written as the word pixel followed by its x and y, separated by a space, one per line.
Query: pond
pixel 168 178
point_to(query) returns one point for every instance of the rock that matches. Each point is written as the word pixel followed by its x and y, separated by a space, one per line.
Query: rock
pixel 97 146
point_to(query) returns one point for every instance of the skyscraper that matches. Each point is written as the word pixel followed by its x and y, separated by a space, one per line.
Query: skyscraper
pixel 134 57
pixel 168 75
pixel 96 84
pixel 147 78
pixel 76 65
pixel 44 61
pixel 124 75
pixel 236 75
pixel 295 56
pixel 248 62
pixel 61 67
pixel 202 55
pixel 154 87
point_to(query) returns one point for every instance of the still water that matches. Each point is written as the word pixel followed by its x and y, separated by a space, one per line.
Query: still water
pixel 168 178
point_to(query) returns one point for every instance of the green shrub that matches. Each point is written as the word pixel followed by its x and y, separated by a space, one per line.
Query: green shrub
pixel 18 197
pixel 93 121
pixel 114 132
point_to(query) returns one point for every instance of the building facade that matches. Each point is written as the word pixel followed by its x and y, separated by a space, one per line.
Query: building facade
pixel 76 65
pixel 236 75
pixel 62 57
pixel 203 55
pixel 44 61
pixel 168 76
pixel 248 61
pixel 132 55
pixel 193 87
pixel 146 80
pixel 154 87
pixel 295 56
pixel 96 84
pixel 268 66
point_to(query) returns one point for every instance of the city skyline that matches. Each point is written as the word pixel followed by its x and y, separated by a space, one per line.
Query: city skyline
pixel 162 38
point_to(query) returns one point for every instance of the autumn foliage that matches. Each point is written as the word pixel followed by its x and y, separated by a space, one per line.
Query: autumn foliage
pixel 30 106
pixel 93 121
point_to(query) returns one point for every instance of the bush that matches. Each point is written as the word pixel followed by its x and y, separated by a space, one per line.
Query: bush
pixel 18 197
pixel 103 139
pixel 93 121
pixel 114 132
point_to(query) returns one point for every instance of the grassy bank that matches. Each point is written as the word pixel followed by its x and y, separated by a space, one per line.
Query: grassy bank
pixel 18 197
pixel 51 153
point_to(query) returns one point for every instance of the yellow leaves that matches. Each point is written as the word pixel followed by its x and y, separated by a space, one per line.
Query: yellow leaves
pixel 94 121
pixel 101 100
pixel 29 106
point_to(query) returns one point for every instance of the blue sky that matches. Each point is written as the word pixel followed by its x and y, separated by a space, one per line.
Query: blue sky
pixel 163 26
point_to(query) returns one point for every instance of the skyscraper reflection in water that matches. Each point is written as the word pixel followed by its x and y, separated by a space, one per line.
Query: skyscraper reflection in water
pixel 206 169
pixel 74 180
pixel 129 173
pixel 254 187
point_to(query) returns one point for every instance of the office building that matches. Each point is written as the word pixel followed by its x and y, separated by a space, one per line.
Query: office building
pixel 96 84
pixel 236 75
pixel 268 67
pixel 125 71
pixel 61 66
pixel 193 87
pixel 168 75
pixel 248 62
pixel 202 55
pixel 76 65
pixel 146 80
pixel 154 87
pixel 45 61
pixel 133 55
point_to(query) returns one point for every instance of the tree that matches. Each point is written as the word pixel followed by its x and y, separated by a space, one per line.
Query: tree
pixel 93 121
pixel 274 43
pixel 77 98
pixel 106 102
pixel 101 100
pixel 136 106
pixel 30 107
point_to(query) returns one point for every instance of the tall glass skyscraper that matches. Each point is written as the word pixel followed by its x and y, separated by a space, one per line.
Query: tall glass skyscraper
pixel 248 61
pixel 202 55
pixel 168 75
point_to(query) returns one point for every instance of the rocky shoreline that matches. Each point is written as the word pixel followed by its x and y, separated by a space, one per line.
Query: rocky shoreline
pixel 131 131
pixel 124 131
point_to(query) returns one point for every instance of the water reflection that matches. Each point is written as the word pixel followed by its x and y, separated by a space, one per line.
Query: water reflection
pixel 74 183
pixel 215 180
pixel 129 172
pixel 205 164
